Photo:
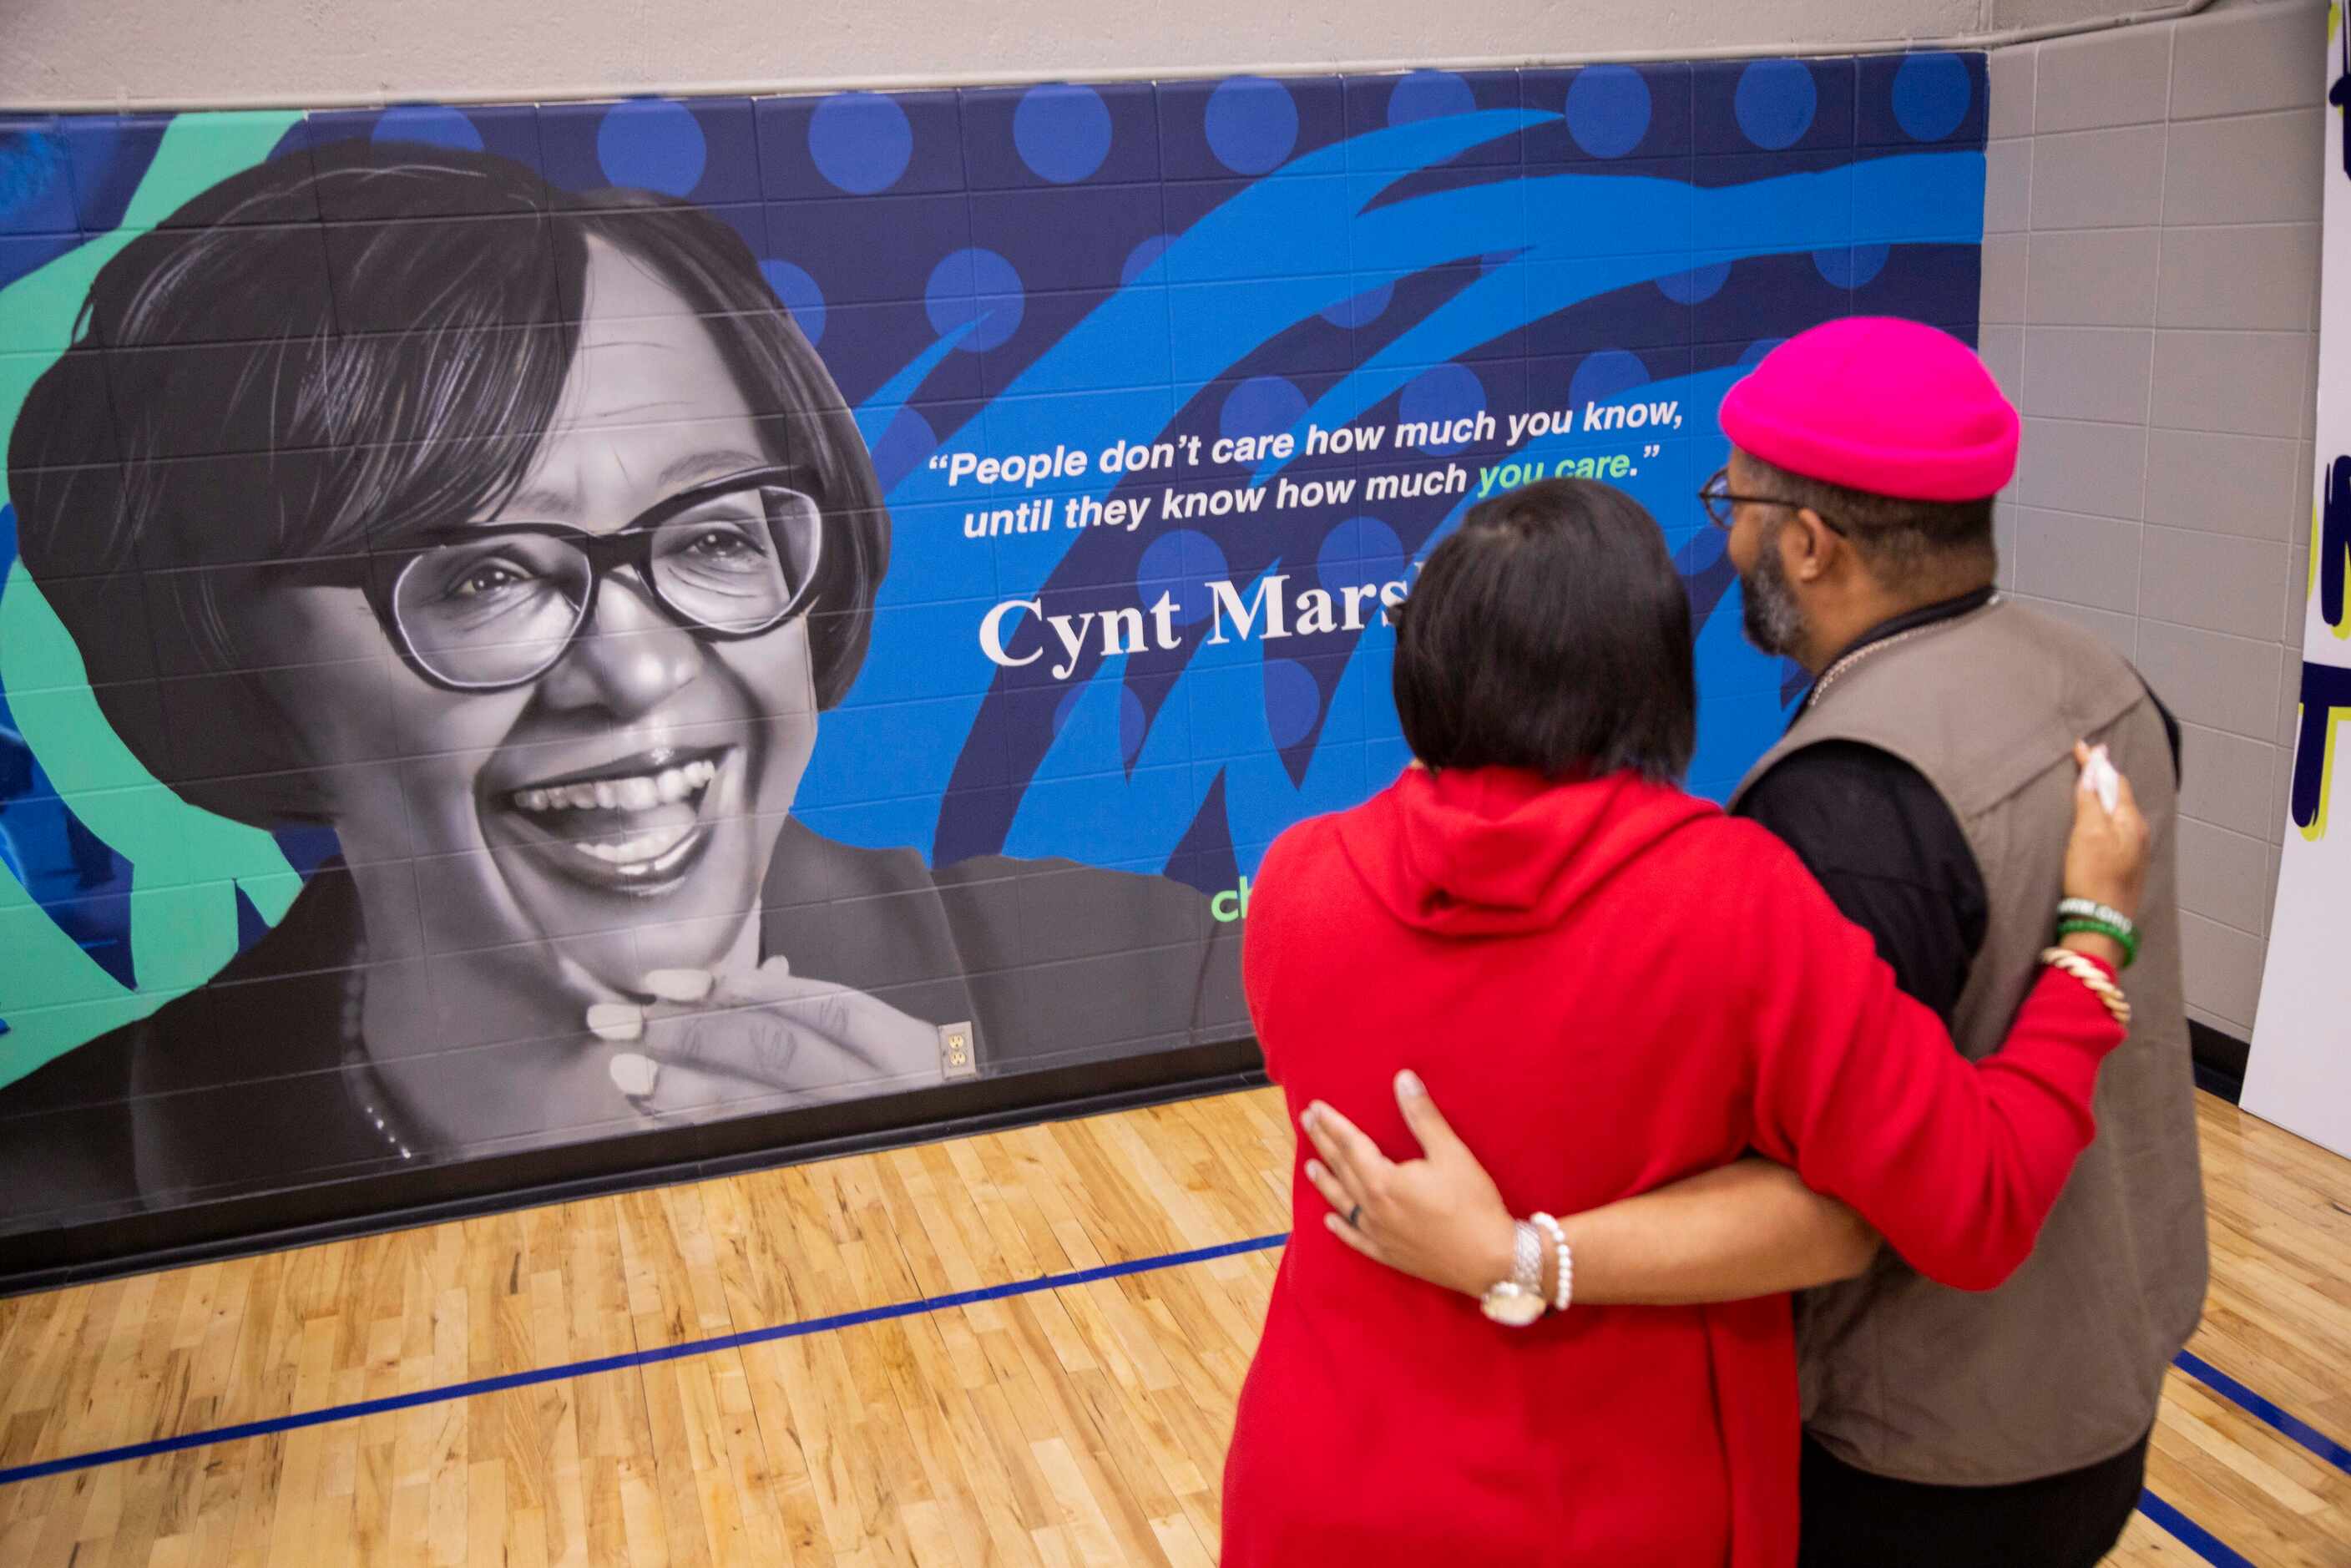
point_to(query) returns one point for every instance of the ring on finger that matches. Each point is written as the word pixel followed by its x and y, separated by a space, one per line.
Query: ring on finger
pixel 1355 1218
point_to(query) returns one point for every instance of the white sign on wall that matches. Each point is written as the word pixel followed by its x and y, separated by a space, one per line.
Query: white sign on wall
pixel 2299 1071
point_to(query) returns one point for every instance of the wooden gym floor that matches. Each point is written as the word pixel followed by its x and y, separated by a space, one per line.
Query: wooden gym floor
pixel 1020 1348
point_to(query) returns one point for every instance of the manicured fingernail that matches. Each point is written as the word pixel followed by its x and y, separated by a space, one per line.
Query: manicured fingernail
pixel 1314 1170
pixel 1331 1223
pixel 679 985
pixel 1310 1116
pixel 616 1020
pixel 634 1076
pixel 1408 1082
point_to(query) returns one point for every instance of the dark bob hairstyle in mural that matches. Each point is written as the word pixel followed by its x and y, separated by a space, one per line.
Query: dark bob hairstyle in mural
pixel 295 391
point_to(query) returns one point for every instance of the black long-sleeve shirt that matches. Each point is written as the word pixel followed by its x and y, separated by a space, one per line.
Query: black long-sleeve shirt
pixel 1890 855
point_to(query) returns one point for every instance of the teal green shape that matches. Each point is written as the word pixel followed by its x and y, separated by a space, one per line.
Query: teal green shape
pixel 187 863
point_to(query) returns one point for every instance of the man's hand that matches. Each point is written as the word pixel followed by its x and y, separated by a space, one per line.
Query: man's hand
pixel 1438 1219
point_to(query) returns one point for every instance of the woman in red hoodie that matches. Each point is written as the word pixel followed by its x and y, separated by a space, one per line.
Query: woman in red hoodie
pixel 1657 988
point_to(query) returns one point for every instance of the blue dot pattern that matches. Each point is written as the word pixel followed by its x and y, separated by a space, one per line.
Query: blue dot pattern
pixel 1261 405
pixel 428 124
pixel 654 144
pixel 1442 393
pixel 1608 109
pixel 1139 260
pixel 1427 95
pixel 979 286
pixel 800 295
pixel 1361 309
pixel 1851 266
pixel 1251 123
pixel 1606 374
pixel 1700 283
pixel 861 141
pixel 1292 701
pixel 1186 560
pixel 1361 550
pixel 1931 95
pixel 1775 103
pixel 1063 131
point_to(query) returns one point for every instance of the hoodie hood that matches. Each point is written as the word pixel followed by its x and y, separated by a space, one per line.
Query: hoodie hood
pixel 1492 850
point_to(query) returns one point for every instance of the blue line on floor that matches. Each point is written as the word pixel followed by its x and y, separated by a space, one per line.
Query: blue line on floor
pixel 2191 1534
pixel 680 1352
pixel 2261 1409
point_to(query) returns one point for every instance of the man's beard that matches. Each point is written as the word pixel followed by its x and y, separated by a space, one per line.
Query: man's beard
pixel 1773 621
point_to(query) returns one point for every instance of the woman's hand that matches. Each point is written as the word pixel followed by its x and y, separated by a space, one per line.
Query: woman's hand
pixel 710 1040
pixel 2105 860
pixel 1438 1219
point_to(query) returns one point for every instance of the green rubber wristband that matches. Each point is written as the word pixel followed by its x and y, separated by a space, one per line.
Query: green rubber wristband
pixel 2126 940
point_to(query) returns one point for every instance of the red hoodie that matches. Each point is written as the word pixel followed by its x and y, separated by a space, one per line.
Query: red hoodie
pixel 1606 987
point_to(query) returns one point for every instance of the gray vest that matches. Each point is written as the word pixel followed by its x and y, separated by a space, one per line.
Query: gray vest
pixel 2063 1367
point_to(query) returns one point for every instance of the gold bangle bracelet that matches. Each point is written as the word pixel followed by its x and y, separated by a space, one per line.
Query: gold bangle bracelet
pixel 2091 975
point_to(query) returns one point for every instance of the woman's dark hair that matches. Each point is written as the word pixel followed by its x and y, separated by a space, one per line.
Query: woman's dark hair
pixel 1551 633
pixel 343 345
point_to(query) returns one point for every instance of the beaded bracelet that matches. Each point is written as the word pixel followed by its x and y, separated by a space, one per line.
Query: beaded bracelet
pixel 1564 1291
pixel 2123 937
pixel 2090 975
pixel 2090 909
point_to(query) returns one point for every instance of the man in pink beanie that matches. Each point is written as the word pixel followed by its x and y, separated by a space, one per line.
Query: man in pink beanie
pixel 1927 781
pixel 1924 781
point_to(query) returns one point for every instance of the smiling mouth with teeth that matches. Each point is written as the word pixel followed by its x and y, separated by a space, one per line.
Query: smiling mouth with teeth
pixel 633 825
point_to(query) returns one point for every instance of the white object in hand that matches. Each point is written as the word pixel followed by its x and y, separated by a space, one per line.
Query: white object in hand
pixel 2100 776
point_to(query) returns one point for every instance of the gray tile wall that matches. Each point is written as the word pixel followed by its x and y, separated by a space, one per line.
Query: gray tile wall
pixel 2150 300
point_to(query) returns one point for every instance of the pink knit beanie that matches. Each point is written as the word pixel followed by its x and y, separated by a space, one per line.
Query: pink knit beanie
pixel 1880 404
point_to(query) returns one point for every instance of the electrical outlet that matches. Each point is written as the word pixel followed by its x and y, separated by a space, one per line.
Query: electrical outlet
pixel 958 1054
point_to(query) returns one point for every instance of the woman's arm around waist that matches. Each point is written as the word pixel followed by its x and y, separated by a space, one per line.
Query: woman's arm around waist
pixel 1859 1088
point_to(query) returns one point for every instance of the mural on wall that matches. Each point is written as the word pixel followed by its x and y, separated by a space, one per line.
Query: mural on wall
pixel 529 624
pixel 2298 1073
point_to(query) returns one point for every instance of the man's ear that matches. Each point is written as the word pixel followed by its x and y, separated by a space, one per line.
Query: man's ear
pixel 1812 549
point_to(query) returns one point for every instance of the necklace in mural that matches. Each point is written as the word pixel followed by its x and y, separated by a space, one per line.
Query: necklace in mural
pixel 359 1074
pixel 1830 676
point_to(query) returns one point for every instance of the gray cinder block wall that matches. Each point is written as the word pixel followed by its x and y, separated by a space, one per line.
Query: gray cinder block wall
pixel 2150 300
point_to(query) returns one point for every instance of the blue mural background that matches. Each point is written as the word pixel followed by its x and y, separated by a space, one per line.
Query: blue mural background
pixel 1002 271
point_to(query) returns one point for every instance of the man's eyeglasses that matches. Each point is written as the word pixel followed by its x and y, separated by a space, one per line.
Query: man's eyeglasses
pixel 492 606
pixel 1722 503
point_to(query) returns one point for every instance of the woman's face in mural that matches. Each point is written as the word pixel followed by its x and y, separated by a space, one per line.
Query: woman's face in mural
pixel 636 787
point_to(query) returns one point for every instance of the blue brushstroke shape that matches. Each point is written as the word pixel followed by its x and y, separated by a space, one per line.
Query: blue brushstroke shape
pixel 1569 238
